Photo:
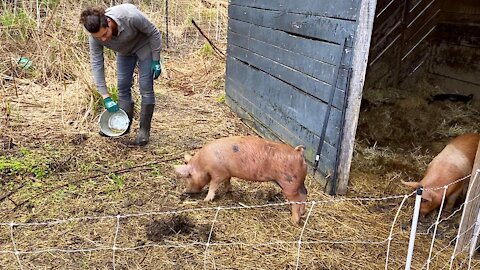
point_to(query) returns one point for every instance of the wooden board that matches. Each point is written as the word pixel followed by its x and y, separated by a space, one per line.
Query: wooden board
pixel 388 31
pixel 305 25
pixel 471 210
pixel 457 61
pixel 459 7
pixel 458 34
pixel 420 21
pixel 359 67
pixel 294 43
pixel 401 38
pixel 298 80
pixel 279 98
pixel 345 9
pixel 319 70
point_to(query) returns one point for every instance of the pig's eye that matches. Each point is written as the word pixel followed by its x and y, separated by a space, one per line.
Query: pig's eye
pixel 424 200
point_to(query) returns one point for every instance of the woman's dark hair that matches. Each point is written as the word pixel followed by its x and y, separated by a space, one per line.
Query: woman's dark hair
pixel 93 18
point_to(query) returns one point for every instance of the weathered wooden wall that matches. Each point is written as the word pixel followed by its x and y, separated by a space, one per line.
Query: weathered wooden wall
pixel 435 38
pixel 455 61
pixel 282 58
pixel 402 34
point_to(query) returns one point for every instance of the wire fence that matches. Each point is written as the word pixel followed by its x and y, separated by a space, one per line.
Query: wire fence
pixel 116 224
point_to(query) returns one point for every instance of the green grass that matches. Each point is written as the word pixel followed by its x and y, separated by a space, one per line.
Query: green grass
pixel 20 21
pixel 221 98
pixel 117 181
pixel 206 50
pixel 157 171
pixel 112 90
pixel 25 164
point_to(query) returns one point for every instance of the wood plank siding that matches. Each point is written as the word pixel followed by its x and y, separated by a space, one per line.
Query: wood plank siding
pixel 439 39
pixel 401 38
pixel 455 61
pixel 283 57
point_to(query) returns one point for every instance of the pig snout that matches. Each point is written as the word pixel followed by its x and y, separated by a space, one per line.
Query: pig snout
pixel 192 182
pixel 432 197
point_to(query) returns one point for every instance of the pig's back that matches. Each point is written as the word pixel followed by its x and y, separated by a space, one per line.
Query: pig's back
pixel 455 160
pixel 467 144
pixel 253 158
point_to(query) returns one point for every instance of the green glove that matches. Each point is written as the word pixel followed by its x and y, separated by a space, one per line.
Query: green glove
pixel 110 105
pixel 156 69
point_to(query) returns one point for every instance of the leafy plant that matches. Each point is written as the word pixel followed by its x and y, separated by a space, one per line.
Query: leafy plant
pixel 208 14
pixel 221 98
pixel 85 168
pixel 20 22
pixel 206 50
pixel 118 181
pixel 113 90
pixel 25 164
pixel 156 171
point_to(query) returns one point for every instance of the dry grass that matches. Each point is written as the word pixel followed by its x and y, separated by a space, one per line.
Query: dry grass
pixel 49 116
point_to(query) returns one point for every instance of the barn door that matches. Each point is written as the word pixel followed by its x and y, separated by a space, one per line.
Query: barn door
pixel 295 73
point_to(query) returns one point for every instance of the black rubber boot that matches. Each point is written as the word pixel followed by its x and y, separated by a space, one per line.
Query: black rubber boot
pixel 146 113
pixel 127 106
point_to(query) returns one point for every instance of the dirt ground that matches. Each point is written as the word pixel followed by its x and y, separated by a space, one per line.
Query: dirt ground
pixel 81 201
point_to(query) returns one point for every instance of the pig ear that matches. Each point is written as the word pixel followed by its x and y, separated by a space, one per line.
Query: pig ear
pixel 183 170
pixel 413 185
pixel 187 158
pixel 300 148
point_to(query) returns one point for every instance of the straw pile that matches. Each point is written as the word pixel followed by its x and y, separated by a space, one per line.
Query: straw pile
pixel 65 170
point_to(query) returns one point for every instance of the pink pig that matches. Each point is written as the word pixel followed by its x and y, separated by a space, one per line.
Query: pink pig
pixel 454 162
pixel 249 158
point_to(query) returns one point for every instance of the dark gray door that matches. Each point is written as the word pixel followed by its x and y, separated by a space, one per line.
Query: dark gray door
pixel 289 66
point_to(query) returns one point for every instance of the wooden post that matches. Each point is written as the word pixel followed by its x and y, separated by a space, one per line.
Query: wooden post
pixel 401 44
pixel 471 209
pixel 359 68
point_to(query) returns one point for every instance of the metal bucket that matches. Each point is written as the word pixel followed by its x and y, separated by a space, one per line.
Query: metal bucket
pixel 113 124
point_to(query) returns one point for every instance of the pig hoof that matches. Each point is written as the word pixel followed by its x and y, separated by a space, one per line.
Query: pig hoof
pixel 295 222
pixel 208 199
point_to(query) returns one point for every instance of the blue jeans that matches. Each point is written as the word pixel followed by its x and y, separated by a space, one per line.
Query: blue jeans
pixel 125 68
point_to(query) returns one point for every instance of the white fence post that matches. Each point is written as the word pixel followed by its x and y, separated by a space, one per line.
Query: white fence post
pixel 413 232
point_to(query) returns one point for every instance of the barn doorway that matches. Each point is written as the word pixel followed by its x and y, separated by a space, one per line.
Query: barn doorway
pixel 422 89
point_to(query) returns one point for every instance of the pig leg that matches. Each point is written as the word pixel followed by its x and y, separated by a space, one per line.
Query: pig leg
pixel 303 198
pixel 294 196
pixel 213 186
pixel 452 199
pixel 296 211
pixel 211 191
pixel 228 185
